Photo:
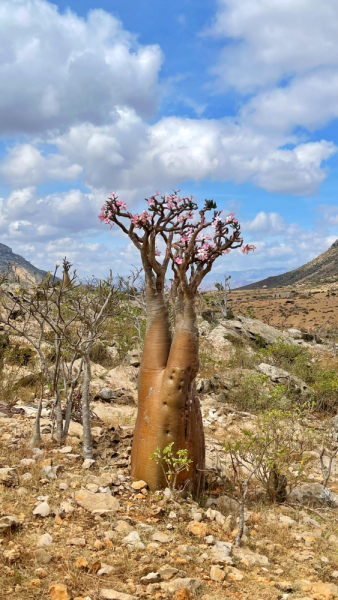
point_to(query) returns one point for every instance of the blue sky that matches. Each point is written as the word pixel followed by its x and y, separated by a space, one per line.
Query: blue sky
pixel 235 101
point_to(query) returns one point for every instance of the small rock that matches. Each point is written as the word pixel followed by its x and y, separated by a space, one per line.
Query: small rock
pixel 227 504
pixel 34 583
pixel 333 540
pixel 139 485
pixel 26 462
pixel 180 583
pixel 105 570
pixel 81 563
pixel 44 540
pixel 87 463
pixel 26 477
pixel 41 573
pixel 284 586
pixel 66 507
pixel 58 591
pixel 9 523
pixel 159 536
pixel 151 578
pixel 133 539
pixel 235 574
pixel 77 542
pixel 167 572
pixel 66 449
pixel 210 540
pixel 285 520
pixel 99 501
pixel 92 487
pixel 114 595
pixel 216 573
pixel 123 527
pixel 42 509
pixel 51 472
pixel 198 529
pixel 42 556
pixel 247 557
pixel 9 477
pixel 63 486
pixel 183 594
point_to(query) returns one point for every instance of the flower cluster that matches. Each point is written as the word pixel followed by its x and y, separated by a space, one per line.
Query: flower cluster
pixel 141 220
pixel 188 243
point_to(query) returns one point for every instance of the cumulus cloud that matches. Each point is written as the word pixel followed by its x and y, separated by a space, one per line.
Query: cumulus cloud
pixel 27 215
pixel 268 40
pixel 271 223
pixel 60 69
pixel 25 165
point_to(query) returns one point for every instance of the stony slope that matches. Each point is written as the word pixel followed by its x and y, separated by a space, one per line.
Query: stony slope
pixel 322 267
pixel 19 268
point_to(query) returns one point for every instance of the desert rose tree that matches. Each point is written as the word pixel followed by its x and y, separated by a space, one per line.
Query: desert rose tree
pixel 168 408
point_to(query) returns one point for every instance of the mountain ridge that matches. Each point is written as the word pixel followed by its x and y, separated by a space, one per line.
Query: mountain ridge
pixel 322 267
pixel 18 268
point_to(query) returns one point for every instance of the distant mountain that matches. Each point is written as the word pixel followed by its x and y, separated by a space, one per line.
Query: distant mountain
pixel 324 267
pixel 19 268
pixel 240 278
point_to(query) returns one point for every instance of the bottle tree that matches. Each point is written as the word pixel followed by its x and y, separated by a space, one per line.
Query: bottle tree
pixel 167 234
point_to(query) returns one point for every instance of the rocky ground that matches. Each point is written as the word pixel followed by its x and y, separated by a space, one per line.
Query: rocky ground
pixel 84 530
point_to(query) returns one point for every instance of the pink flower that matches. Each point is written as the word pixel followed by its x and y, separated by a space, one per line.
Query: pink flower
pixel 178 260
pixel 106 221
pixel 216 221
pixel 246 248
pixel 121 204
pixel 184 239
pixel 157 252
pixel 157 194
pixel 102 215
pixel 151 201
pixel 189 215
pixel 202 254
pixel 226 251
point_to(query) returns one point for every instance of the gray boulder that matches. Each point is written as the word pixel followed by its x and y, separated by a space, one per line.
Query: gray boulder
pixel 313 494
pixel 280 376
pixel 254 330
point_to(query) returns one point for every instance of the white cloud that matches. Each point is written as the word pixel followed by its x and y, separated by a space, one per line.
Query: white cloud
pixel 61 69
pixel 130 155
pixel 268 40
pixel 27 216
pixel 25 165
pixel 268 223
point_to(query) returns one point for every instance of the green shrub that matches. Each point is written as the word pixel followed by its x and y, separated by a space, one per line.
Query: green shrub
pixel 290 357
pixel 16 355
pixel 325 386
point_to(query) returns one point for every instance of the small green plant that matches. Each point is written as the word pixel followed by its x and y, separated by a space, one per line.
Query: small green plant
pixel 285 443
pixel 172 463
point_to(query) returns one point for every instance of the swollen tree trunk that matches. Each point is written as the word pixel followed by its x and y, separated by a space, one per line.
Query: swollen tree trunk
pixel 86 420
pixel 168 409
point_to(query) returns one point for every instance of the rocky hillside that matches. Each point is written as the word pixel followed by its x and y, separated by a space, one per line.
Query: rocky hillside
pixel 19 268
pixel 323 267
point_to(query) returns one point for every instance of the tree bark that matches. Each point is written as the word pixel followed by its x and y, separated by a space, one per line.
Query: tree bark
pixel 86 420
pixel 35 440
pixel 168 409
